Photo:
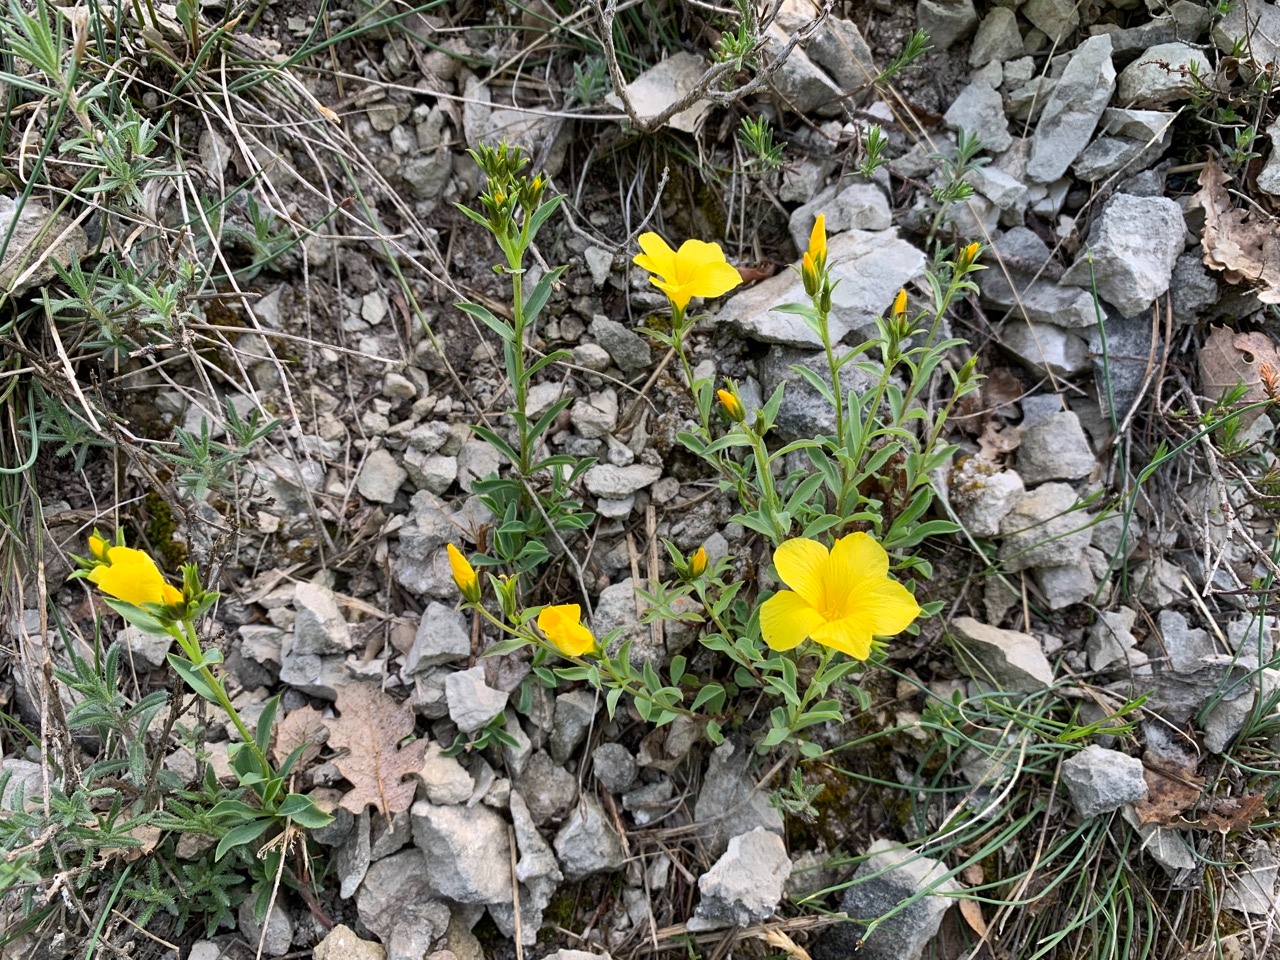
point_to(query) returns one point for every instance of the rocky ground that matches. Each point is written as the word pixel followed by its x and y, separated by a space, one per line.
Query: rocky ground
pixel 1111 546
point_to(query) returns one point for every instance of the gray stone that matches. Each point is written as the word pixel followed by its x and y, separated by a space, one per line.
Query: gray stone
pixel 319 627
pixel 353 857
pixel 1192 288
pixel 146 650
pixel 629 350
pixel 1184 646
pixel 799 82
pixel 587 843
pixel 1055 449
pixel 998 38
pixel 340 943
pixel 859 206
pixel 388 885
pixel 979 111
pixel 1063 586
pixel 1045 346
pixel 746 884
pixel 729 803
pixel 1101 780
pixel 38 241
pixel 381 477
pixel 477 460
pixel 1073 109
pixel 1006 658
pixel 25 779
pixel 542 396
pixel 575 711
pixel 982 494
pixel 650 802
pixel 615 609
pixel 1252 888
pixel 442 637
pixel 1123 362
pixel 445 781
pixel 946 21
pixel 472 702
pixel 1132 247
pixel 314 675
pixel 279 938
pixel 870 266
pixel 839 48
pixel 889 875
pixel 548 788
pixel 537 872
pixel 597 416
pixel 1055 18
pixel 663 85
pixel 617 483
pixel 592 356
pixel 1162 74
pixel 1256 25
pixel 467 850
pixel 613 765
pixel 1109 155
pixel 1044 529
pixel 803 412
pixel 599 265
pixel 1003 189
pixel 1111 639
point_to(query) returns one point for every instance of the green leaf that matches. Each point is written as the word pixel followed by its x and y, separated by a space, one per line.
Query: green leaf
pixel 541 214
pixel 485 316
pixel 810 750
pixel 713 733
pixel 711 692
pixel 775 736
pixel 235 810
pixel 191 675
pixel 304 811
pixel 677 668
pixel 266 720
pixel 241 835
pixel 555 356
pixel 504 448
pixel 538 296
pixel 503 647
pixel 138 617
pixel 611 700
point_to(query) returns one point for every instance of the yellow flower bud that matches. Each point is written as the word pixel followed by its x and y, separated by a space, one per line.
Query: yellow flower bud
pixel 818 242
pixel 732 405
pixel 900 303
pixel 809 274
pixel 698 563
pixel 464 575
pixel 968 255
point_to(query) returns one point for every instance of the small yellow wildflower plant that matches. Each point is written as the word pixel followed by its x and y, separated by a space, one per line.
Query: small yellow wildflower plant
pixel 132 585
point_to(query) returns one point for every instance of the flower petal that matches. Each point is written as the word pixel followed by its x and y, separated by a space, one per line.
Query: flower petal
pixel 132 576
pixel 716 280
pixel 786 619
pixel 802 565
pixel 849 636
pixel 658 258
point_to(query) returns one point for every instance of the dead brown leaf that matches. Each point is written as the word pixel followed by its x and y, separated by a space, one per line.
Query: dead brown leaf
pixel 1170 794
pixel 996 441
pixel 1230 814
pixel 1240 243
pixel 370 728
pixel 971 910
pixel 1229 357
pixel 302 726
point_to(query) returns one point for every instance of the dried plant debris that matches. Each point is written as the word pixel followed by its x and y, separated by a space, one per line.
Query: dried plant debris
pixel 1230 358
pixel 370 728
pixel 1237 241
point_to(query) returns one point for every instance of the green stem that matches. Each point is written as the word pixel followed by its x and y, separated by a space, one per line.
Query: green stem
pixel 518 379
pixel 190 644
pixel 824 328
pixel 825 655
pixel 768 493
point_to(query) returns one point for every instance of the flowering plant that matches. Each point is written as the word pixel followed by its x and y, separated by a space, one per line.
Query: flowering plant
pixel 133 586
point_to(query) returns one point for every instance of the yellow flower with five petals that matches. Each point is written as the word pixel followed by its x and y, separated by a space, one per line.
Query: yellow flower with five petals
pixel 130 575
pixel 697 269
pixel 562 626
pixel 839 598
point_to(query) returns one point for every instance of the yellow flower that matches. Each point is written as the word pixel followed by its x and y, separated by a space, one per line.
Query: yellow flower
pixel 698 563
pixel 818 242
pixel 98 547
pixel 900 303
pixel 130 575
pixel 697 269
pixel 839 599
pixel 464 575
pixel 732 405
pixel 562 625
pixel 968 255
